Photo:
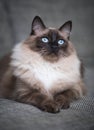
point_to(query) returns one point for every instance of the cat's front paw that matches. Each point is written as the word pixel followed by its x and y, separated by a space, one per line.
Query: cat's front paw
pixel 50 106
pixel 63 102
pixel 65 105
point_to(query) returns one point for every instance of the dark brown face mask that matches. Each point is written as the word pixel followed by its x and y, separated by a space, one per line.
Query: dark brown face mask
pixel 51 43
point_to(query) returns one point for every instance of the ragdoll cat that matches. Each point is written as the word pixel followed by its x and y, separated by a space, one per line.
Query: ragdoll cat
pixel 44 70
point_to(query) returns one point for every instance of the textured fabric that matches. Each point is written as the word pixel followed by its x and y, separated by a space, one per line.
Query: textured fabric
pixel 85 104
pixel 18 116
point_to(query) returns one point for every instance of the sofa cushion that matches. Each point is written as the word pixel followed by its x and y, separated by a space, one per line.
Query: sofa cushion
pixel 19 116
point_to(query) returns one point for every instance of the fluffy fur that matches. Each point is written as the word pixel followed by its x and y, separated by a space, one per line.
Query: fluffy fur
pixel 49 82
pixel 32 68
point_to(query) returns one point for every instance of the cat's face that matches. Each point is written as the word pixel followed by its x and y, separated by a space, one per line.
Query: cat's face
pixel 50 43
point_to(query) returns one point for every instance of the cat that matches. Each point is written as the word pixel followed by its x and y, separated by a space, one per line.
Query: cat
pixel 44 70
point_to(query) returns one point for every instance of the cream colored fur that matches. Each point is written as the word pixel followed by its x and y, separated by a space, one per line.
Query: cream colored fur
pixel 34 70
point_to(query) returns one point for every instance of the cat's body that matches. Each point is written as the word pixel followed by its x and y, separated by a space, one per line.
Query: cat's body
pixel 44 70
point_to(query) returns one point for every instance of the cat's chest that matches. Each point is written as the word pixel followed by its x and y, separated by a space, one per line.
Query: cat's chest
pixel 49 74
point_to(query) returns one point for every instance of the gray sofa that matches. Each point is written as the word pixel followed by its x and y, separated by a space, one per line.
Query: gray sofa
pixel 15 25
pixel 17 116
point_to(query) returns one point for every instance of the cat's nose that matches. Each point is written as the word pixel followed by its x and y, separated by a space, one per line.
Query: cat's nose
pixel 55 49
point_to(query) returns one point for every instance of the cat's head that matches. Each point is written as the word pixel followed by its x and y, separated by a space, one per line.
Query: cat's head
pixel 50 43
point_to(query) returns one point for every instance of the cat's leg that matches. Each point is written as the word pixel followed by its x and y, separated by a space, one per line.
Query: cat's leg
pixel 33 96
pixel 36 98
pixel 50 106
pixel 63 99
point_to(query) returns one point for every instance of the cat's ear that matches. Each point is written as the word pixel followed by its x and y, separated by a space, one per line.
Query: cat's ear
pixel 66 29
pixel 37 25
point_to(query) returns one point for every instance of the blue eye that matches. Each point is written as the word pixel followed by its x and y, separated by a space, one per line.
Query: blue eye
pixel 61 42
pixel 45 40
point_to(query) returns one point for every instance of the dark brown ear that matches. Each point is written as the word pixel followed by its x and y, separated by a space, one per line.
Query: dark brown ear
pixel 37 25
pixel 66 29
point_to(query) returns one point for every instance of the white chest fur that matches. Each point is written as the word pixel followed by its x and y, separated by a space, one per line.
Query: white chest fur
pixel 49 73
pixel 65 70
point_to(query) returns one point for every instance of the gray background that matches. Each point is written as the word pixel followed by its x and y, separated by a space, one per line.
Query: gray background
pixel 16 17
pixel 15 25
